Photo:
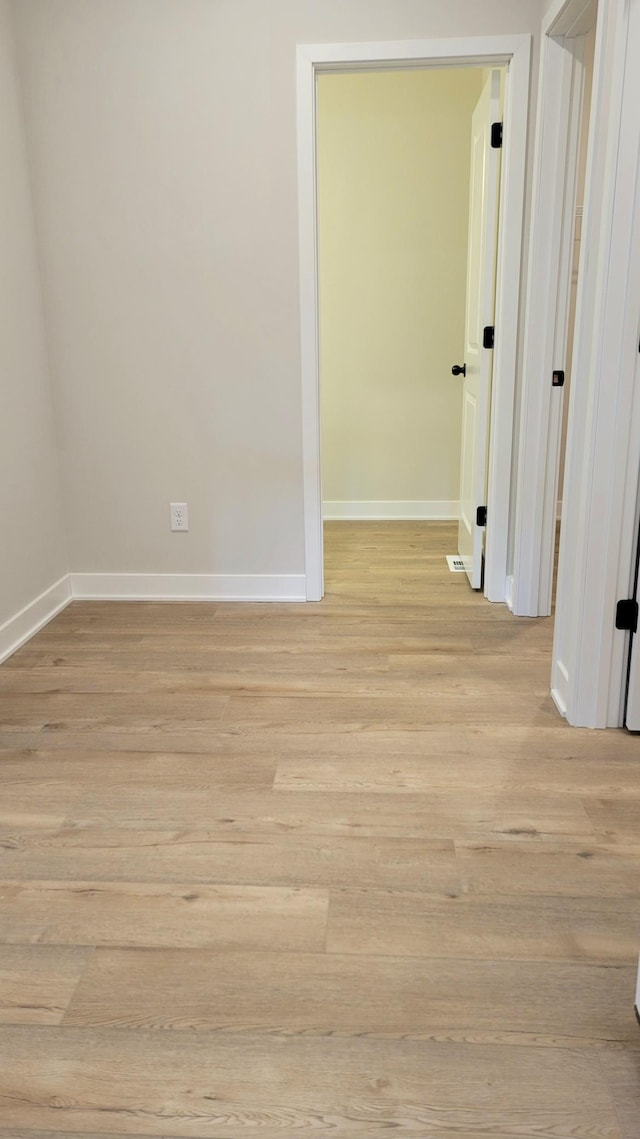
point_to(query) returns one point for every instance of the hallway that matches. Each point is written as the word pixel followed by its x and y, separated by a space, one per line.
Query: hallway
pixel 270 869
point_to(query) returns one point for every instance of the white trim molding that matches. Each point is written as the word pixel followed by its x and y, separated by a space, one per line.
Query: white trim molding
pixel 187 587
pixel 509 596
pixel 559 116
pixel 145 587
pixel 392 511
pixel 19 629
pixel 483 51
pixel 603 446
pixel 559 688
pixel 507 321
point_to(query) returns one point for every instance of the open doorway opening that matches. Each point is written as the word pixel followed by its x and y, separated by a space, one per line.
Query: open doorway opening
pixel 585 51
pixel 408 168
pixel 558 263
pixel 512 53
pixel 393 205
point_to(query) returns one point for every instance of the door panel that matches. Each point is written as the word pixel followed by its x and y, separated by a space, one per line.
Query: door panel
pixel 480 302
pixel 467 496
pixel 632 702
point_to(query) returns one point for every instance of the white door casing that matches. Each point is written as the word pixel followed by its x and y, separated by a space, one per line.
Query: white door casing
pixel 514 51
pixel 599 526
pixel 599 532
pixel 479 314
pixel 559 115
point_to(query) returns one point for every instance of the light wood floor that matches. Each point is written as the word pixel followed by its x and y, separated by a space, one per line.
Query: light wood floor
pixel 336 869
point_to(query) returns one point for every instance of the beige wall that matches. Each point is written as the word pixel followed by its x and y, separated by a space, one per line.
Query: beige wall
pixel 163 144
pixel 393 197
pixel 32 548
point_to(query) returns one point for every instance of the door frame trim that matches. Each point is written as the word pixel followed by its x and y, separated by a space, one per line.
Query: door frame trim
pixel 600 493
pixel 598 536
pixel 555 170
pixel 482 51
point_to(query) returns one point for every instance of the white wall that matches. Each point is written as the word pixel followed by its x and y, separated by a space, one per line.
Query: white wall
pixel 32 547
pixel 163 147
pixel 393 201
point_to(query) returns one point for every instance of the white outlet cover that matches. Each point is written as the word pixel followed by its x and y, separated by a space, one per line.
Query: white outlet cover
pixel 179 515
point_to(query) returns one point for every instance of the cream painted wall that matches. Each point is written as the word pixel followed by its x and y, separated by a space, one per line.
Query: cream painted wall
pixel 393 199
pixel 32 547
pixel 163 146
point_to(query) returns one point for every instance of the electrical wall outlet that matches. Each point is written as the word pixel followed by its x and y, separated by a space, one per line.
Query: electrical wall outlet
pixel 179 515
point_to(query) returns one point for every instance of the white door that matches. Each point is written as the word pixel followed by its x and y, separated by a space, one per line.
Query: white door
pixel 632 710
pixel 478 360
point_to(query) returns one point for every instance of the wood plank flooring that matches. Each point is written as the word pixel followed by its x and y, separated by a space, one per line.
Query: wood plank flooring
pixel 339 869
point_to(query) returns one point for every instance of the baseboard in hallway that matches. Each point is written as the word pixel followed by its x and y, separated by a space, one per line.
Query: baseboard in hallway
pixel 391 511
pixel 19 628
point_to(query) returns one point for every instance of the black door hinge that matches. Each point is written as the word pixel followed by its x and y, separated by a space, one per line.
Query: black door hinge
pixel 481 516
pixel 488 336
pixel 496 136
pixel 627 615
pixel 557 379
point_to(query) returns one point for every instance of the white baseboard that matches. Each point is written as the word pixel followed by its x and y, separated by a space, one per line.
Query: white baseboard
pixel 17 630
pixel 559 688
pixel 144 587
pixel 509 593
pixel 414 510
pixel 187 587
pixel 559 702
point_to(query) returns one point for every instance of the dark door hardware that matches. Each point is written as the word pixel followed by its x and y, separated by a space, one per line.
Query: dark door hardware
pixel 496 136
pixel 481 516
pixel 488 336
pixel 627 615
pixel 459 370
pixel 557 379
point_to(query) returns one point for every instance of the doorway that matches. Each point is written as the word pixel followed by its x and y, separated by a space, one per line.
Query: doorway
pixel 596 562
pixel 586 51
pixel 513 53
pixel 560 186
pixel 394 170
